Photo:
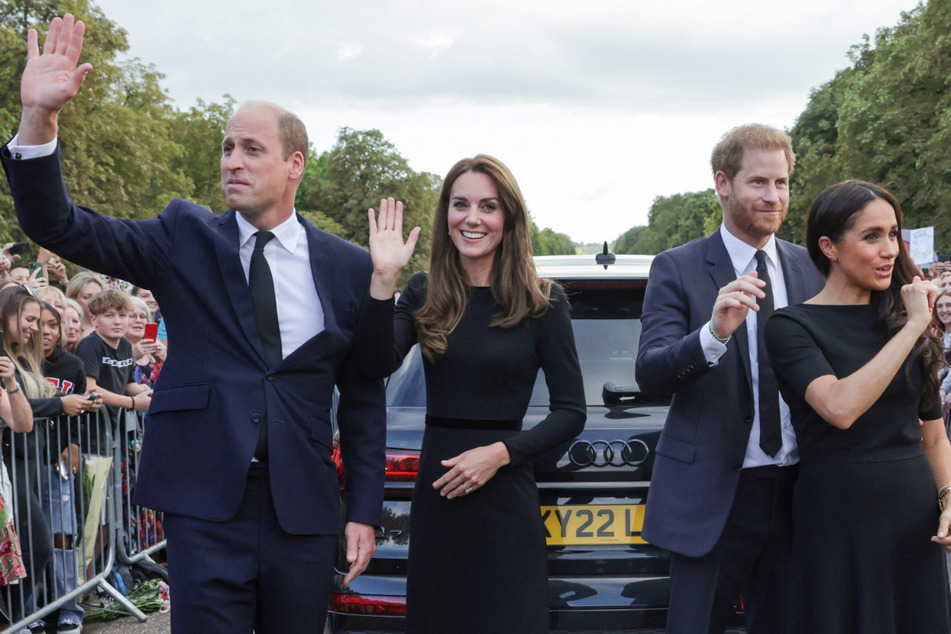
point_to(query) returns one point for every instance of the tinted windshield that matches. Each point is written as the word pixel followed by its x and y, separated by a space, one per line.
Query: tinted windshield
pixel 606 317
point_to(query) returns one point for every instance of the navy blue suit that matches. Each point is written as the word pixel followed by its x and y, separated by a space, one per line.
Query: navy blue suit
pixel 701 450
pixel 216 387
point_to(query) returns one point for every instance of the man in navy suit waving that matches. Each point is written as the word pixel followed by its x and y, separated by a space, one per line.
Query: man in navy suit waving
pixel 721 489
pixel 261 310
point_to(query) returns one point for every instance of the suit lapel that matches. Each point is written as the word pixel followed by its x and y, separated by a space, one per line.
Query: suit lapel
pixel 323 269
pixel 229 262
pixel 792 274
pixel 721 270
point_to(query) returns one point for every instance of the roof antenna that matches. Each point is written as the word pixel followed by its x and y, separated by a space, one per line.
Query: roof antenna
pixel 605 258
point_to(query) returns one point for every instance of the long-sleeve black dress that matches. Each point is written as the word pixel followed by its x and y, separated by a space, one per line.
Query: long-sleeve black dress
pixel 477 563
pixel 864 505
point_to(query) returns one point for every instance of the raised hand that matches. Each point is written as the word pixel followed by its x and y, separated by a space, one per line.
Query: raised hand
pixel 50 79
pixel 919 298
pixel 390 254
pixel 57 268
pixel 733 303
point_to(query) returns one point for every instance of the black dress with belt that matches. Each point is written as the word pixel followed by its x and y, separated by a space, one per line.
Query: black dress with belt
pixel 864 506
pixel 477 563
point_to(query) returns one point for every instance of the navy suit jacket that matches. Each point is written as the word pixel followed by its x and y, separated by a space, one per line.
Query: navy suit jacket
pixel 701 450
pixel 216 388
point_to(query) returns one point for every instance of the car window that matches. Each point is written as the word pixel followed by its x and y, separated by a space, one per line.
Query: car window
pixel 407 386
pixel 606 318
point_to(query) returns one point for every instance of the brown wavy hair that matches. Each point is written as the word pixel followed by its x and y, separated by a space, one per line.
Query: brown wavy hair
pixel 515 284
pixel 27 356
pixel 833 213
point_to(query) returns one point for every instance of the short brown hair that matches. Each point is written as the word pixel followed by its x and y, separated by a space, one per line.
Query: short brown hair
pixel 110 299
pixel 727 155
pixel 290 129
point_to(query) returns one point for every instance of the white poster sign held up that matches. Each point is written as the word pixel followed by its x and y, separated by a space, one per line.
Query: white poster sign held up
pixel 922 246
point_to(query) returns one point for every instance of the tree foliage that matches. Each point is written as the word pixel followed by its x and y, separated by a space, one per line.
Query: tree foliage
pixel 672 221
pixel 361 168
pixel 887 119
pixel 549 242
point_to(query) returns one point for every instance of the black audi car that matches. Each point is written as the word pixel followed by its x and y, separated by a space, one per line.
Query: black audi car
pixel 603 577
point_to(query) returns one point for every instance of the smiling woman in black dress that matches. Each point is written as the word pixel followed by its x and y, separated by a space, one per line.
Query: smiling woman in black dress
pixel 486 324
pixel 858 365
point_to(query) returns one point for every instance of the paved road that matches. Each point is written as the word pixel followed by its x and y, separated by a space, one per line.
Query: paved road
pixel 157 623
pixel 160 623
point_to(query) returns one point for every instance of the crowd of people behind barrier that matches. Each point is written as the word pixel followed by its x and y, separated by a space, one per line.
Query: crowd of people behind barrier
pixel 940 274
pixel 78 355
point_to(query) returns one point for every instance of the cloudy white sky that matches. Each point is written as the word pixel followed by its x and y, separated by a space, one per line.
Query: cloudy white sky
pixel 596 106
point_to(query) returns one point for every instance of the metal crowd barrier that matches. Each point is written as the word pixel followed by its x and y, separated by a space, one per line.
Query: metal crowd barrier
pixel 74 529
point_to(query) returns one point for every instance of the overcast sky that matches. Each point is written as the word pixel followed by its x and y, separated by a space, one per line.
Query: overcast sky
pixel 597 106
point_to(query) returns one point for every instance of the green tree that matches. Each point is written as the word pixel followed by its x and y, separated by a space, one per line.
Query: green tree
pixel 199 132
pixel 886 119
pixel 626 241
pixel 671 222
pixel 126 151
pixel 360 169
pixel 548 242
pixel 815 136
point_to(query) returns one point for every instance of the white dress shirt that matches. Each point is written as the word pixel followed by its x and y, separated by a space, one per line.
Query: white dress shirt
pixel 743 258
pixel 288 256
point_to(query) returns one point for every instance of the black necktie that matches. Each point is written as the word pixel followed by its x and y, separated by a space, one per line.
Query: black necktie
pixel 770 434
pixel 265 314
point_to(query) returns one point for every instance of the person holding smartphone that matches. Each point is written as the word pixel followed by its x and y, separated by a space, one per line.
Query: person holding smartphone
pixel 148 352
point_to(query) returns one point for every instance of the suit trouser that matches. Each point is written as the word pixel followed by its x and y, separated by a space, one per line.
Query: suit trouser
pixel 751 559
pixel 247 572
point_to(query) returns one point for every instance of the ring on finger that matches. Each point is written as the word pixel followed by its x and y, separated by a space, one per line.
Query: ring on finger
pixel 467 488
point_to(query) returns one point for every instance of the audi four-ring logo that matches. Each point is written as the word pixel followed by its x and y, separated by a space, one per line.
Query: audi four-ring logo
pixel 603 453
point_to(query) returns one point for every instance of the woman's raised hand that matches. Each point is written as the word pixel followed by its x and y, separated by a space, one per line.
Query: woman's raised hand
pixel 919 298
pixel 389 252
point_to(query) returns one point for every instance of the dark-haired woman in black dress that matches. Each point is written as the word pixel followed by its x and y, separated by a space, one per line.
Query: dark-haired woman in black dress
pixel 858 365
pixel 486 324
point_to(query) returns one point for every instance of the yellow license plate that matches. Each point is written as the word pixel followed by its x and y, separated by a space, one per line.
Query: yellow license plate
pixel 569 525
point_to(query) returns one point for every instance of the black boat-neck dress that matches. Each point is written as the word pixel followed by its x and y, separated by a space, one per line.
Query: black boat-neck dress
pixel 864 507
pixel 477 563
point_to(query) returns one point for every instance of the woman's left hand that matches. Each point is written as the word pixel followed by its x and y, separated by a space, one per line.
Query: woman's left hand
pixel 471 469
pixel 144 348
pixel 944 530
pixel 7 373
pixel 389 253
pixel 387 249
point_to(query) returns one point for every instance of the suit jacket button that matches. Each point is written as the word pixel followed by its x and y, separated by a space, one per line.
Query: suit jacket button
pixel 747 419
pixel 256 418
pixel 738 466
pixel 270 378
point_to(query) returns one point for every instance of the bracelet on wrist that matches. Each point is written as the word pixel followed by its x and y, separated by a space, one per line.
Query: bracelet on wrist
pixel 942 494
pixel 14 390
pixel 722 340
pixel 133 401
